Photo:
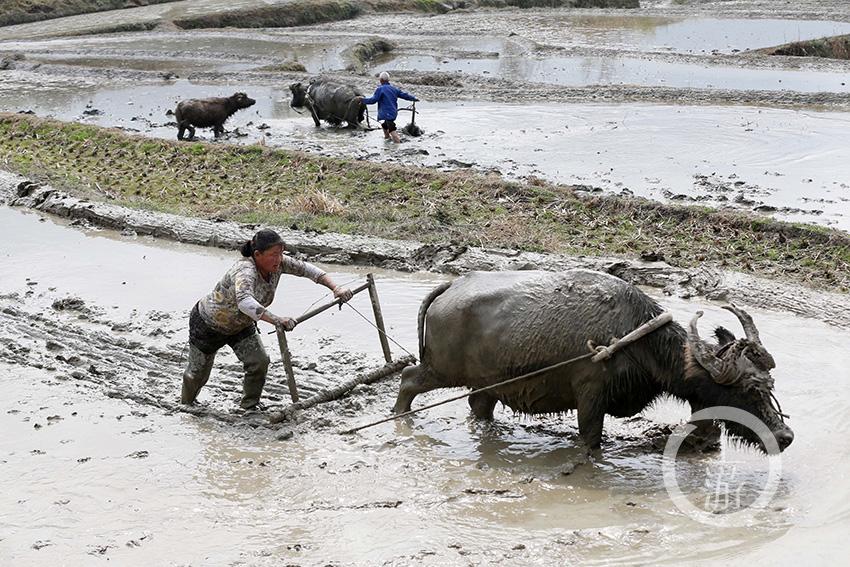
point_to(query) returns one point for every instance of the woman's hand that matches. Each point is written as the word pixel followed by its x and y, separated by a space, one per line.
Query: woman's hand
pixel 287 323
pixel 342 293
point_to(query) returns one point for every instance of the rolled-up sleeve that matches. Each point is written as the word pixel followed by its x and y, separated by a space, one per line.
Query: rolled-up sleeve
pixel 244 281
pixel 299 268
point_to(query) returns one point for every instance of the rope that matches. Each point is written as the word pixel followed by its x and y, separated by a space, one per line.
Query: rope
pixel 467 394
pixel 309 307
pixel 379 330
pixel 597 353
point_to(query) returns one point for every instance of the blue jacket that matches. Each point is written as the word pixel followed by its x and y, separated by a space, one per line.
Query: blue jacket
pixel 386 95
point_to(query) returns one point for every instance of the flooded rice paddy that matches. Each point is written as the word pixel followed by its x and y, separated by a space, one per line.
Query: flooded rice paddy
pixel 93 322
pixel 140 484
pixel 787 163
pixel 783 162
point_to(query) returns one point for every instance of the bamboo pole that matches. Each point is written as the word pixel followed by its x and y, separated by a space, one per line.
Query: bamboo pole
pixel 340 390
pixel 379 318
pixel 326 306
pixel 605 353
pixel 287 363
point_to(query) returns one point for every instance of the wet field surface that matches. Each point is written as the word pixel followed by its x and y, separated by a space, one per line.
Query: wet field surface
pixel 93 323
pixel 145 483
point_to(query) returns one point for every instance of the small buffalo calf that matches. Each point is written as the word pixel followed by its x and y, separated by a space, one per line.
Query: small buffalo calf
pixel 208 112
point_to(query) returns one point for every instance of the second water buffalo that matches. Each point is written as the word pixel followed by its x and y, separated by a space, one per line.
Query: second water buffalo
pixel 486 327
pixel 330 101
pixel 208 113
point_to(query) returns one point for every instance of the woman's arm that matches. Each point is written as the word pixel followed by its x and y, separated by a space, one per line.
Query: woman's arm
pixel 303 269
pixel 339 292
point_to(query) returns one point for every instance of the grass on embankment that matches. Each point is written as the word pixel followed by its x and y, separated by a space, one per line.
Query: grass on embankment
pixel 837 47
pixel 307 12
pixel 298 13
pixel 23 11
pixel 258 184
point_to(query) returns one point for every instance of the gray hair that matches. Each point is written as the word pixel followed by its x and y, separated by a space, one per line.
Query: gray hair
pixel 384 76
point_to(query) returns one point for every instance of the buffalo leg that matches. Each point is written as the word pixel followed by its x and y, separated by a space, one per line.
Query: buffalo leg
pixel 191 132
pixel 181 128
pixel 218 130
pixel 315 117
pixel 590 420
pixel 482 405
pixel 414 381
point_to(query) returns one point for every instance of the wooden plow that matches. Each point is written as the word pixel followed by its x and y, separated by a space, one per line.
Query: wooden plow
pixel 390 368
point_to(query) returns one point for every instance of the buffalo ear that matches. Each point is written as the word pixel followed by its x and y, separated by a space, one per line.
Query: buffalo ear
pixel 724 336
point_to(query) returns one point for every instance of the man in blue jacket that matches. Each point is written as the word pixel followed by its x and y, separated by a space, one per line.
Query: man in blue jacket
pixel 386 95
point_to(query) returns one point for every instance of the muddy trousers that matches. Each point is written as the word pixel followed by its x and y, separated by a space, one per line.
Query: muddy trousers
pixel 254 359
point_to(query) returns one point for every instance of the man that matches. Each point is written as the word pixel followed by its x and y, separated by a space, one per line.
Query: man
pixel 386 95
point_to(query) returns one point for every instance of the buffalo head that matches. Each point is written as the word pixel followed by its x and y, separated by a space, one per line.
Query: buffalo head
pixel 736 373
pixel 239 101
pixel 299 95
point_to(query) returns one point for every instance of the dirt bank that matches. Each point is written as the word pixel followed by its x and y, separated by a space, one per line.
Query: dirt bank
pixel 706 280
pixel 23 11
pixel 361 54
pixel 316 11
pixel 830 47
pixel 256 184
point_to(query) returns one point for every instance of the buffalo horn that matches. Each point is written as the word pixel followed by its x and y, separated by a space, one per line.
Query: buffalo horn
pixel 761 356
pixel 746 322
pixel 722 371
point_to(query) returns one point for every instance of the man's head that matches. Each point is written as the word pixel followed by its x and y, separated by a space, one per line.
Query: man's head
pixel 384 77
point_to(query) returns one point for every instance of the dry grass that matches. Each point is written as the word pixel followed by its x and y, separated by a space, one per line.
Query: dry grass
pixel 317 202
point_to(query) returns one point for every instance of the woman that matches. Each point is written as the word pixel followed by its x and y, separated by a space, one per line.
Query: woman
pixel 228 315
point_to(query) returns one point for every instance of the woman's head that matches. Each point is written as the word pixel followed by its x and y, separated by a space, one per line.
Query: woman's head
pixel 266 247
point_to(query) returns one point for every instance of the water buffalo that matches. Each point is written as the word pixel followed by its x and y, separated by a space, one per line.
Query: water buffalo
pixel 208 112
pixel 330 101
pixel 486 327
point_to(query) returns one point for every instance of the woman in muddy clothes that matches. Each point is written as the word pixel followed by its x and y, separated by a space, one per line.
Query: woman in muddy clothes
pixel 229 315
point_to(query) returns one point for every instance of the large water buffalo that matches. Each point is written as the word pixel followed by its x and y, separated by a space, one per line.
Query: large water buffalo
pixel 330 101
pixel 486 327
pixel 208 112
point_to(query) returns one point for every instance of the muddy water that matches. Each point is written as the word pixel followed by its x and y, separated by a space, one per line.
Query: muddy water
pixel 622 70
pixel 182 51
pixel 130 279
pixel 624 31
pixel 789 163
pixel 142 486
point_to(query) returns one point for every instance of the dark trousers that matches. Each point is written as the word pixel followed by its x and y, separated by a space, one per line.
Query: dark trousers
pixel 204 342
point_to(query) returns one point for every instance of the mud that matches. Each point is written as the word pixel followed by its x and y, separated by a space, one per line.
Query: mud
pixel 91 390
pixel 90 366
